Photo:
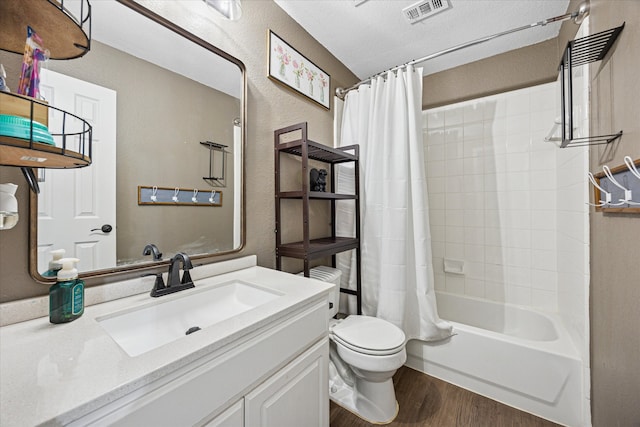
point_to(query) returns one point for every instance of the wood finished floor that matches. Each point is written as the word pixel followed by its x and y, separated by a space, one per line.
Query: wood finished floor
pixel 429 402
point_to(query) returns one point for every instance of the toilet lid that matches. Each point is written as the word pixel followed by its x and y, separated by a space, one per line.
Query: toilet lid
pixel 369 335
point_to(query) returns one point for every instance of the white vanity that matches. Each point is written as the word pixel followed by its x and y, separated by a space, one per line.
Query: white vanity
pixel 259 357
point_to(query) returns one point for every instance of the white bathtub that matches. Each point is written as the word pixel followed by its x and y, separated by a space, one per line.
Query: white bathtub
pixel 517 356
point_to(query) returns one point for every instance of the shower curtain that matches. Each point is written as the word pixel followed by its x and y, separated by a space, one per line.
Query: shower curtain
pixel 397 273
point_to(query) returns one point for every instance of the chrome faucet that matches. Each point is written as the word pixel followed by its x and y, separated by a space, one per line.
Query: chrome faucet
pixel 174 283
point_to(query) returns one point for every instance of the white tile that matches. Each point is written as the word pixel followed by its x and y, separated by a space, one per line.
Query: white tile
pixel 437 217
pixel 519 142
pixel 440 283
pixel 473 201
pixel 454 234
pixel 519 238
pixel 435 169
pixel 494 273
pixel 516 257
pixel 435 119
pixel 437 200
pixel 474 183
pixel 516 219
pixel 474 288
pixel 454 284
pixel 474 112
pixel 437 233
pixel 454 150
pixel 518 181
pixel 494 236
pixel 518 295
pixel 438 265
pixel 518 124
pixel 436 184
pixel 494 291
pixel 474 270
pixel 543 239
pixel 545 280
pixel 475 254
pixel 474 235
pixel 434 153
pixel 454 167
pixel 437 248
pixel 454 201
pixel 454 184
pixel 518 103
pixel 494 255
pixel 473 218
pixel 454 250
pixel 544 300
pixel 473 131
pixel 453 116
pixel 519 276
pixel 544 199
pixel 543 260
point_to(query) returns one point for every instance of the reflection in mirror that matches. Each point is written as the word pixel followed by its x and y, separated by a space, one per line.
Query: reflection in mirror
pixel 152 96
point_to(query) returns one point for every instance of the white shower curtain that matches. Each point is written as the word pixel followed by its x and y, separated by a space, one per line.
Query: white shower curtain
pixel 397 273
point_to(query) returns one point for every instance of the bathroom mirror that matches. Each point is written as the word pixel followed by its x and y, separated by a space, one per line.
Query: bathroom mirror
pixel 153 93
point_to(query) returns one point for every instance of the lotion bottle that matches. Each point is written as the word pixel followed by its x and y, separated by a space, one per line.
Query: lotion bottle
pixel 66 297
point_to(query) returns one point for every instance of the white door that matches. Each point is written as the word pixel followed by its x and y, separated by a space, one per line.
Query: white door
pixel 75 204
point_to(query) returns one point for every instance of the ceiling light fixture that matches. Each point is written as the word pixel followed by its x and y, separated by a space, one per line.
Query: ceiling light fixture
pixel 230 9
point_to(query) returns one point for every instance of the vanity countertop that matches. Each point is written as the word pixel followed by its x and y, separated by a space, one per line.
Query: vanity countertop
pixel 54 374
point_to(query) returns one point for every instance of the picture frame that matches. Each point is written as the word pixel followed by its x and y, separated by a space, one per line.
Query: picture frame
pixel 296 72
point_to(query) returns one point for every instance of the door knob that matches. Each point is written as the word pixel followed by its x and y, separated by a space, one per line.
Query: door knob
pixel 105 228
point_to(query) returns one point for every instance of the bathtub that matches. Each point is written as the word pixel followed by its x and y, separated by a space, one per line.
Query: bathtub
pixel 520 357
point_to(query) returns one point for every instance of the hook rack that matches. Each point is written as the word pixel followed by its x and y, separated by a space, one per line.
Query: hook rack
pixel 167 196
pixel 617 189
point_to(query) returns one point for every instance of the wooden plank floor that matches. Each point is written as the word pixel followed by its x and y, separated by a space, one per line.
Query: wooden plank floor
pixel 426 401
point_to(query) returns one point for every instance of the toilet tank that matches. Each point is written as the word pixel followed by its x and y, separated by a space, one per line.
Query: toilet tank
pixel 330 275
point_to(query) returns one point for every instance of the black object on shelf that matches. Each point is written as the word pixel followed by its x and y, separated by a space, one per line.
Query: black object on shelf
pixel 579 52
pixel 293 140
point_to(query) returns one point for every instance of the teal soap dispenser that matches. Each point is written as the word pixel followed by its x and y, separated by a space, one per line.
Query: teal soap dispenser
pixel 66 297
pixel 54 264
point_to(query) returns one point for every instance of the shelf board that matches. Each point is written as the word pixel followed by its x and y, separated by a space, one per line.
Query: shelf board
pixel 317 151
pixel 316 195
pixel 318 248
pixel 61 33
pixel 591 48
pixel 19 152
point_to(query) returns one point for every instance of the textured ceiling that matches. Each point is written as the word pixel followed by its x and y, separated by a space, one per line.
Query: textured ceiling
pixel 374 36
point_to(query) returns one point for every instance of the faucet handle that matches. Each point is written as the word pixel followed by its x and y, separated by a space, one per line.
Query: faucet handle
pixel 158 285
pixel 186 278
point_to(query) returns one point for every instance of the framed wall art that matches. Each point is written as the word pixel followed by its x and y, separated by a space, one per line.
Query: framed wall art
pixel 290 68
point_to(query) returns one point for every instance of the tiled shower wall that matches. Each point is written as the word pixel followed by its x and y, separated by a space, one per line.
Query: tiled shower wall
pixel 504 201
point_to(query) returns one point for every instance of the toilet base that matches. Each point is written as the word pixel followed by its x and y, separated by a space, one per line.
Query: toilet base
pixel 350 399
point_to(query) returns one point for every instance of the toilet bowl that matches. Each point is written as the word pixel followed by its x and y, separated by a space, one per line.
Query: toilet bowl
pixel 364 354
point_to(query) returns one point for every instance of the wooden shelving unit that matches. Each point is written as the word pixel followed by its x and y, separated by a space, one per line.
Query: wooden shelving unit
pixel 309 249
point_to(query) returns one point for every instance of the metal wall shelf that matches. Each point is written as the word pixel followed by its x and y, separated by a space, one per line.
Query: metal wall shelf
pixel 579 52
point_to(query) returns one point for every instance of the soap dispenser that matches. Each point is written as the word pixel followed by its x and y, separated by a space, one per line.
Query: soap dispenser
pixel 54 265
pixel 66 297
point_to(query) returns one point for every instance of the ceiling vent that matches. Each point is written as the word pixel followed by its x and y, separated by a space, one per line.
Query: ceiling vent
pixel 424 9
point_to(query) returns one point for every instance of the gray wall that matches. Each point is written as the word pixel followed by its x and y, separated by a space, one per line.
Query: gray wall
pixel 615 238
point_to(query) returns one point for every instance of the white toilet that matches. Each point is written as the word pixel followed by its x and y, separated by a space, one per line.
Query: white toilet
pixel 365 353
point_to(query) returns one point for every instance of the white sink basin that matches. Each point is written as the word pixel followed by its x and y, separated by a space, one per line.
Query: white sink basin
pixel 145 328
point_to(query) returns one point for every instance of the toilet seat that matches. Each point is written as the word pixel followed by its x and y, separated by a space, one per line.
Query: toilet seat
pixel 368 335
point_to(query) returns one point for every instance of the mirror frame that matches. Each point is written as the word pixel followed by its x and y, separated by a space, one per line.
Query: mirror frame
pixel 33 200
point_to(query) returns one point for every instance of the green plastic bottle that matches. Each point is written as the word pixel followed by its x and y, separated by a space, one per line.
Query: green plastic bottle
pixel 54 264
pixel 66 297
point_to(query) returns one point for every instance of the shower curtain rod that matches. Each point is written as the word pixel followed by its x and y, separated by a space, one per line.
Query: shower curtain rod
pixel 577 16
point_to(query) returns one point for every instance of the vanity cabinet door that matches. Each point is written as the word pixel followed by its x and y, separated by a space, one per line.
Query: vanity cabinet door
pixel 232 417
pixel 297 395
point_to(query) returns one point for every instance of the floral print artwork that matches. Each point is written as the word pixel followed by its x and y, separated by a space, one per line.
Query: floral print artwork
pixel 291 68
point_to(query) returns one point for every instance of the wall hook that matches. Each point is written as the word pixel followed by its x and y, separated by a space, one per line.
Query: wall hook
pixel 175 195
pixel 607 195
pixel 194 199
pixel 627 192
pixel 632 167
pixel 154 194
pixel 212 199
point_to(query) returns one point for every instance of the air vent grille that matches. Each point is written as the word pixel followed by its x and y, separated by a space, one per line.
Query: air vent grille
pixel 424 9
